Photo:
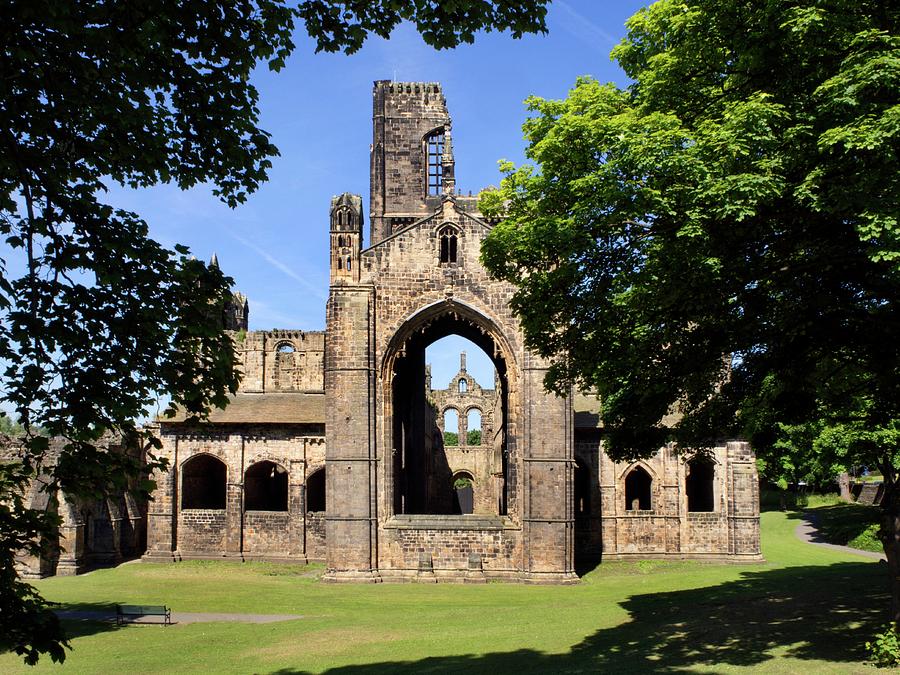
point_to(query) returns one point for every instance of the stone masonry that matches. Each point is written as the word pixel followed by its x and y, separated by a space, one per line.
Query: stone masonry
pixel 332 449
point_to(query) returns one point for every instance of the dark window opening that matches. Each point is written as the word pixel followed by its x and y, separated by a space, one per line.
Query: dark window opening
pixel 340 264
pixel 463 494
pixel 435 152
pixel 448 245
pixel 315 491
pixel 638 486
pixel 582 490
pixel 266 487
pixel 701 475
pixel 203 483
pixel 349 264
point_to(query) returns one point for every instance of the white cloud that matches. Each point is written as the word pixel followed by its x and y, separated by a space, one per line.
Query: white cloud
pixel 579 26
pixel 280 266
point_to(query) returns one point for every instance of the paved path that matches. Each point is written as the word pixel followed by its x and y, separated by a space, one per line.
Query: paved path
pixel 181 617
pixel 806 531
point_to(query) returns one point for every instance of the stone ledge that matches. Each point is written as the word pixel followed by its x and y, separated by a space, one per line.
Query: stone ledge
pixel 443 522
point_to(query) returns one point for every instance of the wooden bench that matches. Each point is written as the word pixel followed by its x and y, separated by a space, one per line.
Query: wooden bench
pixel 126 613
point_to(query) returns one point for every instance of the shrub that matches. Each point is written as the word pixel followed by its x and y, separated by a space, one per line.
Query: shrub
pixel 884 651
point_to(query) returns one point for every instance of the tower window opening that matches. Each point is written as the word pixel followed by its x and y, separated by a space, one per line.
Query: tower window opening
pixel 349 263
pixel 435 151
pixel 448 245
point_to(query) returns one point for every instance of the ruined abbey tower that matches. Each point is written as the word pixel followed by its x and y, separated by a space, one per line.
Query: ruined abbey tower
pixel 333 449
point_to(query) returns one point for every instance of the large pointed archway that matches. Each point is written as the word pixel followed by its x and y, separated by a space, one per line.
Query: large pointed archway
pixel 418 478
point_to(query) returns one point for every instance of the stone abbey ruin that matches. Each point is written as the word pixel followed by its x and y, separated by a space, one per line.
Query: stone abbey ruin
pixel 333 449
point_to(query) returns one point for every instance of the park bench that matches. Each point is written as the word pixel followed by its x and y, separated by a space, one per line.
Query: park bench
pixel 126 613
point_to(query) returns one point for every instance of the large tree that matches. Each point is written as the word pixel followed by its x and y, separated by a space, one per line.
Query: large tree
pixel 97 320
pixel 721 237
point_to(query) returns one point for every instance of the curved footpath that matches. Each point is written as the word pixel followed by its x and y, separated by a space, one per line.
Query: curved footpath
pixel 806 531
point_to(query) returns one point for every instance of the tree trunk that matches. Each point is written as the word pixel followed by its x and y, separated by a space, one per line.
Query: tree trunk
pixel 844 485
pixel 890 539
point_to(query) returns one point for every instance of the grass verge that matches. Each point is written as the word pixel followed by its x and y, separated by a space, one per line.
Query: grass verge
pixel 807 608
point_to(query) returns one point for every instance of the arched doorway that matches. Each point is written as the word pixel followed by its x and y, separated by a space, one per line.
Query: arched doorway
pixel 463 493
pixel 419 476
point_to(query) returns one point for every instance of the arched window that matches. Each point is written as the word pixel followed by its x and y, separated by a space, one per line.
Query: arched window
pixel 349 263
pixel 451 426
pixel 638 485
pixel 473 427
pixel 265 487
pixel 285 348
pixel 203 483
pixel 448 245
pixel 315 491
pixel 463 386
pixel 582 490
pixel 463 493
pixel 701 474
pixel 434 144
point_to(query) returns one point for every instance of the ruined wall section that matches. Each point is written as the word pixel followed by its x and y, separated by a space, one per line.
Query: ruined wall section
pixel 92 533
pixel 403 115
pixel 730 531
pixel 408 278
pixel 178 532
pixel 482 461
pixel 282 361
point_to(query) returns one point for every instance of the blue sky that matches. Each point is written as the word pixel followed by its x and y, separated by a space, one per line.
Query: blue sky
pixel 318 110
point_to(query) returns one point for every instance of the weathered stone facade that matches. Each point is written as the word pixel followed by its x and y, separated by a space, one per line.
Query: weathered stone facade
pixel 92 533
pixel 473 458
pixel 357 399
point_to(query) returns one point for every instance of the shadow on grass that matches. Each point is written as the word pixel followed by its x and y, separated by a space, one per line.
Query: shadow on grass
pixel 814 613
pixel 843 523
pixel 80 619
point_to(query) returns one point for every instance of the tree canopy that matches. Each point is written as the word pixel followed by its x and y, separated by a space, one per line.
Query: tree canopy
pixel 99 320
pixel 720 238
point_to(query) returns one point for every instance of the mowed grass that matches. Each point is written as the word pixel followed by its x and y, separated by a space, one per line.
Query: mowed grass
pixel 805 609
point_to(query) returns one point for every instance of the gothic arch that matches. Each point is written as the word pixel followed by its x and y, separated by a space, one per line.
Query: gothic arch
pixel 638 487
pixel 409 474
pixel 481 322
pixel 644 465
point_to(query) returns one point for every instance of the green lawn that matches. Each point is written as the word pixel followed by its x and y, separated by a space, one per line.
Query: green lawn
pixel 806 609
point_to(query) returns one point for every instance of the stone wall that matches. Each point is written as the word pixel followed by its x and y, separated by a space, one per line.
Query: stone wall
pixel 667 528
pixel 233 531
pixel 93 533
pixel 282 360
